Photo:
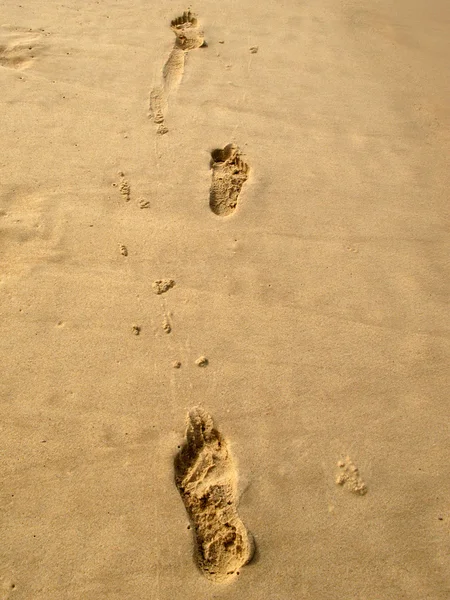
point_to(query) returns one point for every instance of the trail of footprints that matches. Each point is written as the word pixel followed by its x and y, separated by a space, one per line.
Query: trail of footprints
pixel 206 479
pixel 205 475
pixel 204 471
pixel 229 171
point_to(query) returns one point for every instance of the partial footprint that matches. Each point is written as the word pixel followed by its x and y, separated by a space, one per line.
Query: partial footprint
pixel 206 479
pixel 188 37
pixel 350 477
pixel 173 71
pixel 19 46
pixel 229 173
pixel 158 104
pixel 16 55
pixel 124 187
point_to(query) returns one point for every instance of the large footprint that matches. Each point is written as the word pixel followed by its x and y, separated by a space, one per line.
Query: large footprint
pixel 188 36
pixel 229 173
pixel 206 479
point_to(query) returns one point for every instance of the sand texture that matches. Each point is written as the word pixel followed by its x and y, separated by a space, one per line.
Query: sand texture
pixel 224 291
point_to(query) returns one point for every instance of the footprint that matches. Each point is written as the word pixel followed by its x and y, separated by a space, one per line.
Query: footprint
pixel 124 187
pixel 158 104
pixel 173 71
pixel 188 36
pixel 206 479
pixel 161 286
pixel 167 327
pixel 350 477
pixel 16 56
pixel 19 46
pixel 143 203
pixel 229 173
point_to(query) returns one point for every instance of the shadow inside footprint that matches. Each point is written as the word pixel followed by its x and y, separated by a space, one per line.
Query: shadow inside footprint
pixel 206 480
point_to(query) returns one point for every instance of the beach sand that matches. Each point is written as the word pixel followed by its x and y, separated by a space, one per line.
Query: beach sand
pixel 252 231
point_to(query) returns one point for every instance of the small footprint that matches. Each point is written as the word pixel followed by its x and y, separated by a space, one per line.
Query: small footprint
pixel 167 327
pixel 350 477
pixel 188 36
pixel 158 104
pixel 202 361
pixel 206 480
pixel 229 173
pixel 124 187
pixel 161 286
pixel 143 203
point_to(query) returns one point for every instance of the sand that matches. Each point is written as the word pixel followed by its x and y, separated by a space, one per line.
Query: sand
pixel 273 254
